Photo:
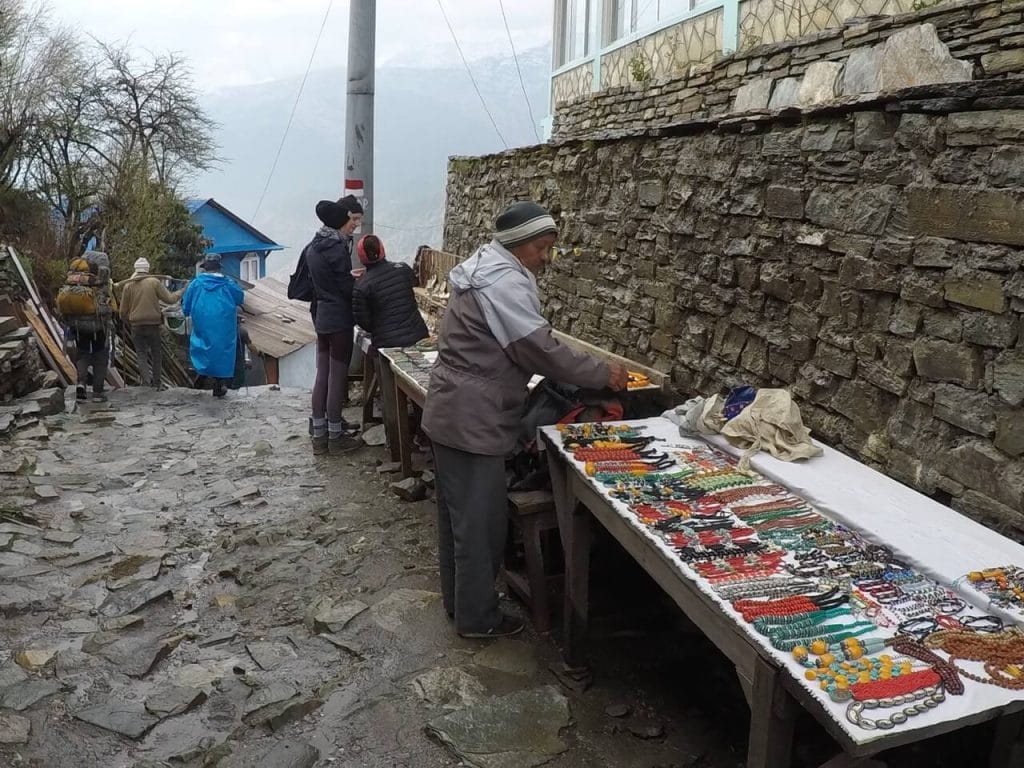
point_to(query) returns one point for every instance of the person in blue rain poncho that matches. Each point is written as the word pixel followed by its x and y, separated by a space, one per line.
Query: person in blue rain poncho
pixel 212 301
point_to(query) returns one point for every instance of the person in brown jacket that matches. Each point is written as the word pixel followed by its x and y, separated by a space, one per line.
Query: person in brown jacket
pixel 492 339
pixel 142 297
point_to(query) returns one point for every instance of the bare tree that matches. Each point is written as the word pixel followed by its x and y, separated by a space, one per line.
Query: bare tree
pixel 36 60
pixel 151 107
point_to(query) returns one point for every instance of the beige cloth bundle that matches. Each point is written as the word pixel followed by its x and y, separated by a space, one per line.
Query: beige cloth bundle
pixel 772 423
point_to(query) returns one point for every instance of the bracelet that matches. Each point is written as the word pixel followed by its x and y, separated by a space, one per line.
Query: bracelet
pixel 982 623
pixel 919 627
pixel 950 606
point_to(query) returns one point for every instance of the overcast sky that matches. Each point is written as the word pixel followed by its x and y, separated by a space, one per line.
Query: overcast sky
pixel 238 42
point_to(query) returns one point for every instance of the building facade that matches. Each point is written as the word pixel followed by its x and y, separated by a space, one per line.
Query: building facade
pixel 601 44
pixel 242 247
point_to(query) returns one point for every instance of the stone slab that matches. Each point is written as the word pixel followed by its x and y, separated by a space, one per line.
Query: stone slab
pixel 451 688
pixel 128 718
pixel 860 75
pixel 15 600
pixel 786 93
pixel 14 729
pixel 133 600
pixel 960 213
pixel 390 612
pixel 270 655
pixel 275 693
pixel 62 537
pixel 820 83
pixel 336 618
pixel 135 657
pixel 174 700
pixel 916 56
pixel 521 729
pixel 509 656
pixel 753 95
pixel 23 695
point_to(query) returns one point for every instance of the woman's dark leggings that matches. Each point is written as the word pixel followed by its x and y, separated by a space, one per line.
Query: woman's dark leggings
pixel 333 355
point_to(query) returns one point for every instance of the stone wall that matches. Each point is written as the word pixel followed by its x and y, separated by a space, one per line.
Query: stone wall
pixel 573 84
pixel 868 257
pixel 775 21
pixel 667 53
pixel 989 35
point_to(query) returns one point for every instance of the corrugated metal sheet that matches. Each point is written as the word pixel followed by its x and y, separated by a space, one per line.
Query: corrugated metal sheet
pixel 277 326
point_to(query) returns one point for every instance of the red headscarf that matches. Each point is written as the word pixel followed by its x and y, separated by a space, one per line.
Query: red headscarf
pixel 376 249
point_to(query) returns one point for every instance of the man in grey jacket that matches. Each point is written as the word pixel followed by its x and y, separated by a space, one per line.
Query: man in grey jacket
pixel 493 338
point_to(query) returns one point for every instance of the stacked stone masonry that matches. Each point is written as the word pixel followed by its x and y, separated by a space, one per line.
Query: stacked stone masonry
pixel 989 36
pixel 868 257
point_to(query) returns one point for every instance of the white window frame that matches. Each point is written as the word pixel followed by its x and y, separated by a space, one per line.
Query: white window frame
pixel 250 263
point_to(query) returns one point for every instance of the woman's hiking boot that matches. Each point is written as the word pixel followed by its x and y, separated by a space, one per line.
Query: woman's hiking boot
pixel 343 443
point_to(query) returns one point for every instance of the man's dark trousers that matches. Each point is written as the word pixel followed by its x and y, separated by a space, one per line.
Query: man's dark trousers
pixel 147 346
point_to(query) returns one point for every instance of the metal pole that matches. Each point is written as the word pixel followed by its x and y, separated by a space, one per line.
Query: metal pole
pixel 362 27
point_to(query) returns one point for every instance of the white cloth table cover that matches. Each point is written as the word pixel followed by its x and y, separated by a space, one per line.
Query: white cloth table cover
pixel 939 541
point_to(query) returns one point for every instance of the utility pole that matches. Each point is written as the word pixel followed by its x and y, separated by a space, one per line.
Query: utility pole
pixel 362 28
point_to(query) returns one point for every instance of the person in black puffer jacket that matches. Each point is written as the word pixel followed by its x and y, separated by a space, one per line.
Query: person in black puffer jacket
pixel 383 301
pixel 328 258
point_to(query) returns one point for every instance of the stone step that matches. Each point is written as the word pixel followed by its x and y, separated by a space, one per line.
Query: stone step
pixel 8 325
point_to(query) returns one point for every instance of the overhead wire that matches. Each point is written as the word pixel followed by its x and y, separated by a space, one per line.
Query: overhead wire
pixel 469 72
pixel 515 57
pixel 295 106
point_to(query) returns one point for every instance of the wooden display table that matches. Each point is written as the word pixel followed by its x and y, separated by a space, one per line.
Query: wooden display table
pixel 772 690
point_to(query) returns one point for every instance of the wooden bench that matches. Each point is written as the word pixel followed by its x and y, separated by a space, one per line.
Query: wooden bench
pixel 532 513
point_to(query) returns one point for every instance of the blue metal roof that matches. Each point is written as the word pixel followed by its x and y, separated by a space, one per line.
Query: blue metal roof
pixel 228 233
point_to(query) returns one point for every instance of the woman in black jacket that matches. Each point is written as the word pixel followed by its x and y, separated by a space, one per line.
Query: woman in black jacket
pixel 328 258
pixel 383 301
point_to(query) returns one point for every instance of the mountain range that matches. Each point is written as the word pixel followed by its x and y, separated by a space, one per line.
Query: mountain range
pixel 423 115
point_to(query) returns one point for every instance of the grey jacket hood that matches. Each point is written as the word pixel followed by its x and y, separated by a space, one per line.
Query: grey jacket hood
pixel 505 290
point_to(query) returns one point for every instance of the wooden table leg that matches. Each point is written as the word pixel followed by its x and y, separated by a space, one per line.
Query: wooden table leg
pixel 402 429
pixel 1006 741
pixel 772 715
pixel 371 382
pixel 574 531
pixel 389 407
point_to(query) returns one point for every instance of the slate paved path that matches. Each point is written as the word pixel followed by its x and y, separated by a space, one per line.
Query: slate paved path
pixel 183 584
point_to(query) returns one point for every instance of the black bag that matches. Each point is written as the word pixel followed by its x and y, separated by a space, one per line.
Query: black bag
pixel 300 284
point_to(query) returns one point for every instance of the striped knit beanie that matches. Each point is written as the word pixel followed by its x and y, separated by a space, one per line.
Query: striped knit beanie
pixel 522 222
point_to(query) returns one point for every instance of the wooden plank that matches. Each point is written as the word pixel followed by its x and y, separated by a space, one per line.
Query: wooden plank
pixel 56 357
pixel 30 286
pixel 747 685
pixel 531 502
pixel 402 427
pixel 412 388
pixel 371 386
pixel 387 383
pixel 658 378
pixel 574 532
pixel 771 720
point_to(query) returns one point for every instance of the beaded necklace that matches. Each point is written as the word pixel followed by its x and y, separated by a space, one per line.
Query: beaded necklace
pixel 922 691
pixel 826 639
pixel 1004 586
pixel 732 495
pixel 908 646
pixel 838 677
pixel 1002 654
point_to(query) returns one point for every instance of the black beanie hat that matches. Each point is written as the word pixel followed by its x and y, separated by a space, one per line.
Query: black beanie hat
pixel 336 214
pixel 522 222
